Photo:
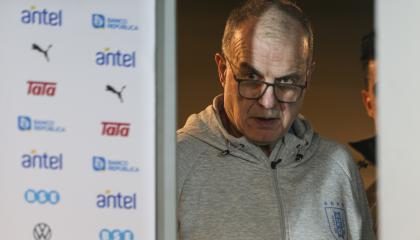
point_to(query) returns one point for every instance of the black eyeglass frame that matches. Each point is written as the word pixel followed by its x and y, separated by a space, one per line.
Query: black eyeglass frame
pixel 239 81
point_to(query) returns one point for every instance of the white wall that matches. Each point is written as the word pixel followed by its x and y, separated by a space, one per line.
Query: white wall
pixel 399 118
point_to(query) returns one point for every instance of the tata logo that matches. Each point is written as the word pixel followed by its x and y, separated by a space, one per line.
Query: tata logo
pixel 116 201
pixel 33 15
pixel 116 234
pixel 116 58
pixel 42 232
pixel 115 129
pixel 100 21
pixel 42 197
pixel 102 164
pixel 26 123
pixel 38 88
pixel 42 161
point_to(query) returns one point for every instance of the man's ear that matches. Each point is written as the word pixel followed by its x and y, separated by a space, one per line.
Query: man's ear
pixel 221 68
pixel 368 102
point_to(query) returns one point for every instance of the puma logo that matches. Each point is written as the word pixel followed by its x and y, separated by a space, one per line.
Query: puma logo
pixel 118 93
pixel 36 47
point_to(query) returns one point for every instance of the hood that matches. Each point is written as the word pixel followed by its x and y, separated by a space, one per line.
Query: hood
pixel 294 148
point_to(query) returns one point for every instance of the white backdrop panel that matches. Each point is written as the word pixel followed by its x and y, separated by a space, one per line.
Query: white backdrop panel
pixel 78 106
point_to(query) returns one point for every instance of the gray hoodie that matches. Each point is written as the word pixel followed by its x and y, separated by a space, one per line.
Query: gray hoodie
pixel 228 188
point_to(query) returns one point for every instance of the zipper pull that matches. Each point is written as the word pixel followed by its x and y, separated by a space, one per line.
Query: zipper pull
pixel 299 155
pixel 274 163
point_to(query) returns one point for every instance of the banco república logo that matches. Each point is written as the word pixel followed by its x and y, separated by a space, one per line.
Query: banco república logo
pixel 46 17
pixel 116 201
pixel 116 58
pixel 102 164
pixel 116 234
pixel 27 123
pixel 42 232
pixel 40 88
pixel 42 196
pixel 44 160
pixel 100 21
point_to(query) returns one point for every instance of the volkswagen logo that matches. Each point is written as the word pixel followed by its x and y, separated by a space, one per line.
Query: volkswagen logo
pixel 42 196
pixel 116 234
pixel 42 232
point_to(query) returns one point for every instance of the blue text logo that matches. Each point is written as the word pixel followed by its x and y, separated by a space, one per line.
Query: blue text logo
pixel 26 123
pixel 100 163
pixel 116 234
pixel 100 21
pixel 116 58
pixel 116 201
pixel 42 161
pixel 41 17
pixel 42 196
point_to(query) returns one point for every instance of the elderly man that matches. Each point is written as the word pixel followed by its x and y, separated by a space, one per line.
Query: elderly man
pixel 248 166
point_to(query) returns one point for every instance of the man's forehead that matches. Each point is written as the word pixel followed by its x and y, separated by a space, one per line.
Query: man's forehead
pixel 270 30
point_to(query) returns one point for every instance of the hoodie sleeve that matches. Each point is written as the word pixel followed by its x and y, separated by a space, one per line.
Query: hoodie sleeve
pixel 184 162
pixel 367 226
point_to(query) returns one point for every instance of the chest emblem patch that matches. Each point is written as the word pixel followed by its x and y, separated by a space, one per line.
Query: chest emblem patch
pixel 336 217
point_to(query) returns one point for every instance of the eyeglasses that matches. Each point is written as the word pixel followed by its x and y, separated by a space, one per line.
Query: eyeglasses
pixel 255 89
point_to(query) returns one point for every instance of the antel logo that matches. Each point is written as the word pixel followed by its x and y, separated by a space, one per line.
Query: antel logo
pixel 116 58
pixel 116 234
pixel 42 17
pixel 115 129
pixel 116 201
pixel 42 232
pixel 42 161
pixel 38 88
pixel 101 164
pixel 100 21
pixel 26 123
pixel 42 196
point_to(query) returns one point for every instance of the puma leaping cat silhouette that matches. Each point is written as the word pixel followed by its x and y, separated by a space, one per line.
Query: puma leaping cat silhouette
pixel 36 47
pixel 118 93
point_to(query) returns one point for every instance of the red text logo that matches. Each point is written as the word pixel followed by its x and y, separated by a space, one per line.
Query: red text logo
pixel 41 88
pixel 115 129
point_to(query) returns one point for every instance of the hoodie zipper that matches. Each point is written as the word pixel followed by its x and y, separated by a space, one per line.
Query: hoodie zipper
pixel 280 204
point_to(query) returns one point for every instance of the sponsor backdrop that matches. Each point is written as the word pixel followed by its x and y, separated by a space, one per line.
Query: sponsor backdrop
pixel 77 94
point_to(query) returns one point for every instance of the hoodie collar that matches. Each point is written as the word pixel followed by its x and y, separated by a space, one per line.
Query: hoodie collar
pixel 295 147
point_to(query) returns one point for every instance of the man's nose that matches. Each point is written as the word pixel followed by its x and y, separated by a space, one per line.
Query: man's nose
pixel 268 99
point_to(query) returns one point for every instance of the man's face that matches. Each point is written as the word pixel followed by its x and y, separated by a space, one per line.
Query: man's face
pixel 369 94
pixel 268 54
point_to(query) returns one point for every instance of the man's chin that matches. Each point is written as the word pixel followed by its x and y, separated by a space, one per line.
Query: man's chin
pixel 261 142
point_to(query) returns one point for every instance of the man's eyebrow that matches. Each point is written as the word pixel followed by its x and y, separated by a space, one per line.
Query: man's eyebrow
pixel 244 66
pixel 292 76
